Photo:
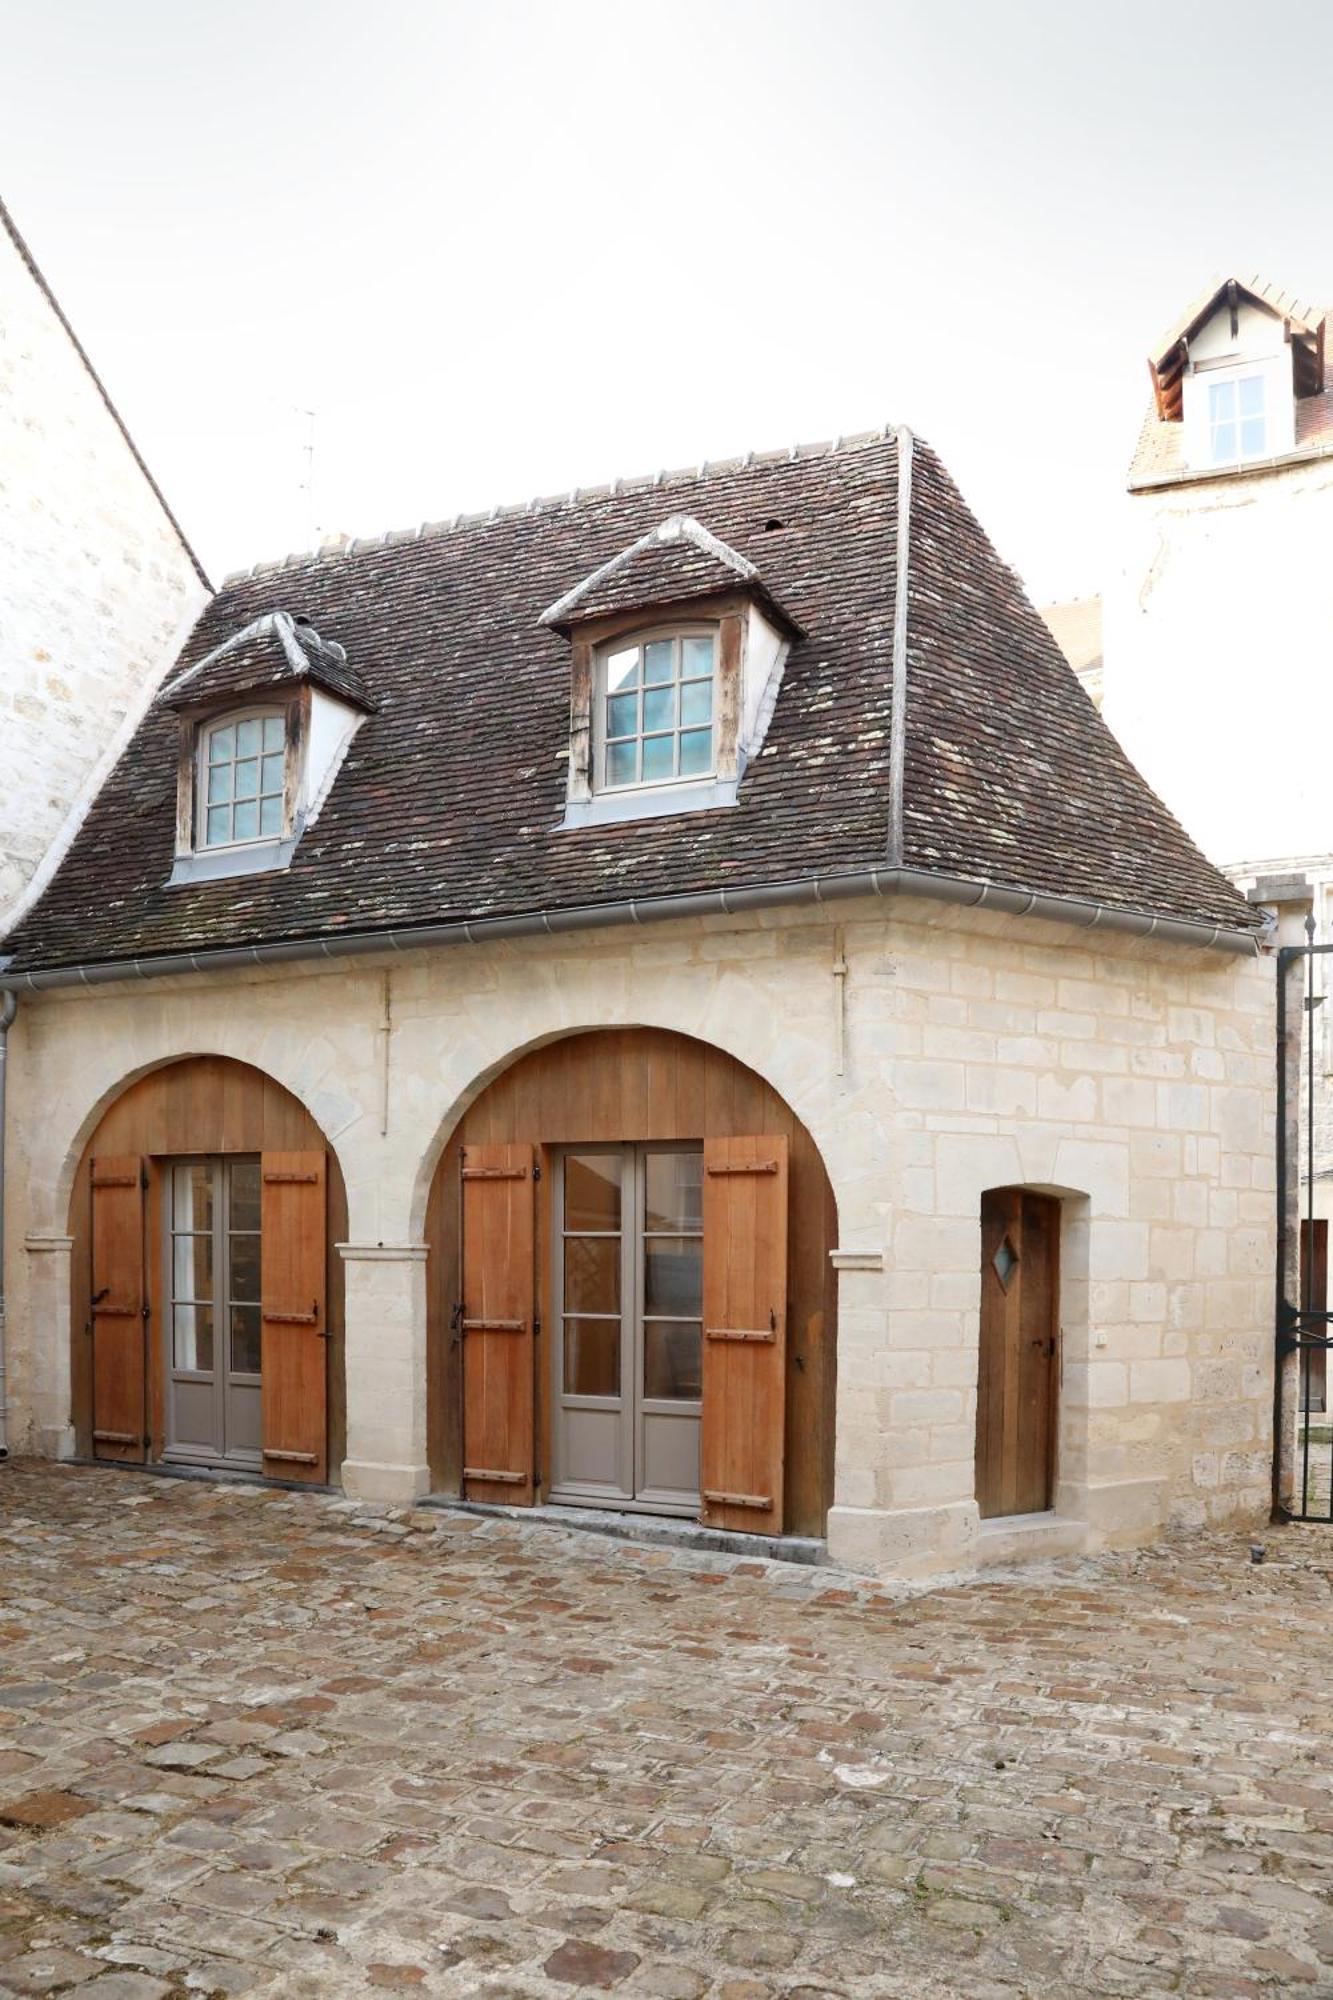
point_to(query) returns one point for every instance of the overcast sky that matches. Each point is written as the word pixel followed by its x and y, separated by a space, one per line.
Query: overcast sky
pixel 504 249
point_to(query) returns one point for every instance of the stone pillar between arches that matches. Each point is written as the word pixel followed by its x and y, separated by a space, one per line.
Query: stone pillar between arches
pixel 50 1390
pixel 386 1372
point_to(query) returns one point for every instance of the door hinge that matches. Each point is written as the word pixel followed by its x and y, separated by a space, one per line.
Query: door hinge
pixel 536 1328
pixel 536 1173
pixel 143 1312
pixel 143 1183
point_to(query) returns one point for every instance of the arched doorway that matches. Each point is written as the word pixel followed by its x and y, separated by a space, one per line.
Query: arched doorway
pixel 207 1296
pixel 630 1297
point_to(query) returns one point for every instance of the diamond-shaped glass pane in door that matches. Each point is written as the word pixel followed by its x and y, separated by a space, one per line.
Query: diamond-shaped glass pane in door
pixel 1005 1262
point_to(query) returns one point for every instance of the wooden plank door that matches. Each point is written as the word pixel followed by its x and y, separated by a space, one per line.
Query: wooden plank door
pixel 294 1336
pixel 119 1326
pixel 496 1321
pixel 745 1333
pixel 1018 1368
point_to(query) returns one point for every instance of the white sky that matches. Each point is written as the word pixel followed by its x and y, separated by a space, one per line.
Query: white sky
pixel 504 249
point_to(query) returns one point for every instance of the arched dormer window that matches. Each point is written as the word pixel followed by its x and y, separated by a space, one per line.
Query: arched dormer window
pixel 241 785
pixel 656 707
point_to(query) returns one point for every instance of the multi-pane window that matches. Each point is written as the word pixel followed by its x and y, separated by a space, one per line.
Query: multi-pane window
pixel 656 699
pixel 215 1239
pixel 1237 422
pixel 241 772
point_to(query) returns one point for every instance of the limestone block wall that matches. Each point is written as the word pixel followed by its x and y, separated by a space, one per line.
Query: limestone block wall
pixel 1133 1080
pixel 96 586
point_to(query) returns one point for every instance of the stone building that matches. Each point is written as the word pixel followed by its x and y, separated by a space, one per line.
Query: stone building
pixel 1215 607
pixel 98 584
pixel 667 1000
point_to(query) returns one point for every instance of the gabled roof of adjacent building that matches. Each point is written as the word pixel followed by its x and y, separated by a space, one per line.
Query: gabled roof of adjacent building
pixel 11 229
pixel 450 801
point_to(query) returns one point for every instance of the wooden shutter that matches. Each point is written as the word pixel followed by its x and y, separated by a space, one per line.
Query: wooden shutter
pixel 119 1325
pixel 745 1333
pixel 293 1254
pixel 496 1322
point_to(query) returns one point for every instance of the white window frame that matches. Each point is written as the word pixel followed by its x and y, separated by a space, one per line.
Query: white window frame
pixel 1234 379
pixel 640 638
pixel 207 730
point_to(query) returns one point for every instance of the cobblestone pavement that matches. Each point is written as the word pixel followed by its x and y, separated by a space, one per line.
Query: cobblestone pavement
pixel 262 1743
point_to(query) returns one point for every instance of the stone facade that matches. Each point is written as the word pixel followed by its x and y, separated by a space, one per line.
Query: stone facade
pixel 97 585
pixel 1133 1079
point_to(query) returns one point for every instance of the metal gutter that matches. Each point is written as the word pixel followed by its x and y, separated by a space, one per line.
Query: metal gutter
pixel 819 889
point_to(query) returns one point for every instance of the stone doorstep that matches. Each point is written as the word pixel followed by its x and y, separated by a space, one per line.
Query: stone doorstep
pixel 209 1475
pixel 658 1530
pixel 1018 1538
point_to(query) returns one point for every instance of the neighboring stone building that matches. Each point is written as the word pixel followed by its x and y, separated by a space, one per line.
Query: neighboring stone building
pixel 98 586
pixel 1214 676
pixel 669 1000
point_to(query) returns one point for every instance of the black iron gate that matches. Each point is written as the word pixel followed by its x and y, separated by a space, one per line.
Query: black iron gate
pixel 1303 1422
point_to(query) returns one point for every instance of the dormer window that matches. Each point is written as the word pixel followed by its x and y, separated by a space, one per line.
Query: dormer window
pixel 677 650
pixel 241 781
pixel 264 722
pixel 1237 420
pixel 656 702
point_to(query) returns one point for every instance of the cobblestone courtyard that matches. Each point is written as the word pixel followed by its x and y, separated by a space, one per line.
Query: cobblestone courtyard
pixel 252 1742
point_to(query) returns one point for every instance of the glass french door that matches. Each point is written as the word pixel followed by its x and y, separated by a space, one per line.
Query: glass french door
pixel 212 1241
pixel 628 1349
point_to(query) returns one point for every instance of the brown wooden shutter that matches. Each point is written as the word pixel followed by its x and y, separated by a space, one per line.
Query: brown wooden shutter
pixel 497 1324
pixel 745 1333
pixel 295 1332
pixel 119 1327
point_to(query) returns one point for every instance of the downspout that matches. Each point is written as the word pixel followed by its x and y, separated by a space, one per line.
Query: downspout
pixel 8 1009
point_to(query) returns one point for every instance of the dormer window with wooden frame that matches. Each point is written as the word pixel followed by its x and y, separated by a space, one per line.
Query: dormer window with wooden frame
pixel 676 659
pixel 1233 374
pixel 241 782
pixel 656 706
pixel 264 723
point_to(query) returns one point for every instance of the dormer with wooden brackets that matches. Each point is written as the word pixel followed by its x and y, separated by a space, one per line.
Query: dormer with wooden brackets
pixel 265 721
pixel 677 653
pixel 1231 373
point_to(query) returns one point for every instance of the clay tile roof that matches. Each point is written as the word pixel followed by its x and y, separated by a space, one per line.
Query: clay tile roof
pixel 677 560
pixel 272 650
pixel 450 801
